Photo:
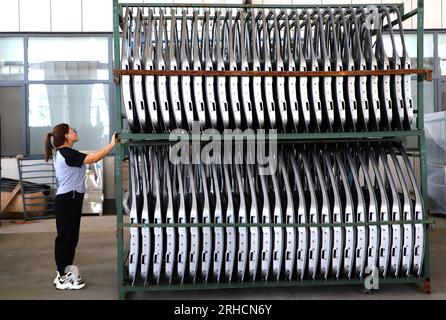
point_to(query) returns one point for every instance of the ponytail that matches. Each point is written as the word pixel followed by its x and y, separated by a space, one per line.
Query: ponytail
pixel 55 139
pixel 48 146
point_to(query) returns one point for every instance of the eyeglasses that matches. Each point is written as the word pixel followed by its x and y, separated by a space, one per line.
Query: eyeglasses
pixel 74 129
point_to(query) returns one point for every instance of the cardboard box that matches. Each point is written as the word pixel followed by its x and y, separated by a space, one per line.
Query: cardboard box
pixel 14 210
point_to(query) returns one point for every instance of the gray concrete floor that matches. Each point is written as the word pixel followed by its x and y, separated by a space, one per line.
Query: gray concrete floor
pixel 27 268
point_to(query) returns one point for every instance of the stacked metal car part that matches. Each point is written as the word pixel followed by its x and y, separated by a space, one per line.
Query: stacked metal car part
pixel 265 40
pixel 370 189
pixel 329 212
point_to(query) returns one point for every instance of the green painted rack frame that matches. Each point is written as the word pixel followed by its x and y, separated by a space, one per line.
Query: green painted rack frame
pixel 129 139
pixel 37 176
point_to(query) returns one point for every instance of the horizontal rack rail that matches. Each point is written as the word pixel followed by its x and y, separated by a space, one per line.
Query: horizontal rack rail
pixel 265 284
pixel 174 136
pixel 141 143
pixel 247 6
pixel 281 225
pixel 229 73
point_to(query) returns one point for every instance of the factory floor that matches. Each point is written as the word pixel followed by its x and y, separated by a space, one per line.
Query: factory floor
pixel 27 268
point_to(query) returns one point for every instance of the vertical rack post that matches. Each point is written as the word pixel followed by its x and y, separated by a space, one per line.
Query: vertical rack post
pixel 421 138
pixel 118 156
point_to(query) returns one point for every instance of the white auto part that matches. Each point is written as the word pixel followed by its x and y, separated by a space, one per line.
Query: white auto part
pixel 267 237
pixel 206 252
pixel 138 94
pixel 127 64
pixel 384 216
pixel 145 232
pixel 197 81
pixel 134 231
pixel 408 229
pixel 326 218
pixel 372 214
pixel 230 231
pixel 303 234
pixel 419 245
pixel 315 237
pixel 337 214
pixel 183 239
pixel 254 232
pixel 218 231
pixel 161 81
pixel 185 81
pixel 278 245
pixel 349 217
pixel 174 81
pixel 242 254
pixel 229 60
pixel 149 81
pixel 170 218
pixel 209 81
pixel 268 94
pixel 290 240
pixel 396 209
pixel 194 256
pixel 220 66
pixel 362 235
pixel 158 251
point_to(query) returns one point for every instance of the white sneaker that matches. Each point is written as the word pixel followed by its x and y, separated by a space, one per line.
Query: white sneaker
pixel 70 282
pixel 57 279
pixel 58 276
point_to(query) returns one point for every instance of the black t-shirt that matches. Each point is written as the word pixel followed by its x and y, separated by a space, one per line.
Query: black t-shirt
pixel 73 158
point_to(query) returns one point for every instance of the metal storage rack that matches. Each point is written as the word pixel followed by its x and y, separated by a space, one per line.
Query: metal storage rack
pixel 37 177
pixel 130 139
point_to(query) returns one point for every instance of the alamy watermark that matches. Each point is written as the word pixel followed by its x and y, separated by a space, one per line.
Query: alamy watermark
pixel 257 147
pixel 372 18
pixel 371 282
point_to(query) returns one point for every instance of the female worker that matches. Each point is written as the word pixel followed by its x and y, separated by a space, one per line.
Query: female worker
pixel 69 165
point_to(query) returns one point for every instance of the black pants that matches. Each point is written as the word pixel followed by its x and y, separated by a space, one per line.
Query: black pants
pixel 68 209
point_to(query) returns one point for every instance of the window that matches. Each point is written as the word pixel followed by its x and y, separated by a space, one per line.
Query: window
pixel 442 107
pixel 66 79
pixel 11 58
pixel 85 107
pixel 11 113
pixel 411 46
pixel 429 95
pixel 68 58
pixel 442 53
pixel 442 71
pixel 69 82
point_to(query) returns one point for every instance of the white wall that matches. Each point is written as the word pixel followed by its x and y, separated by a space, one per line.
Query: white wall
pixel 9 168
pixel 56 15
pixel 97 15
